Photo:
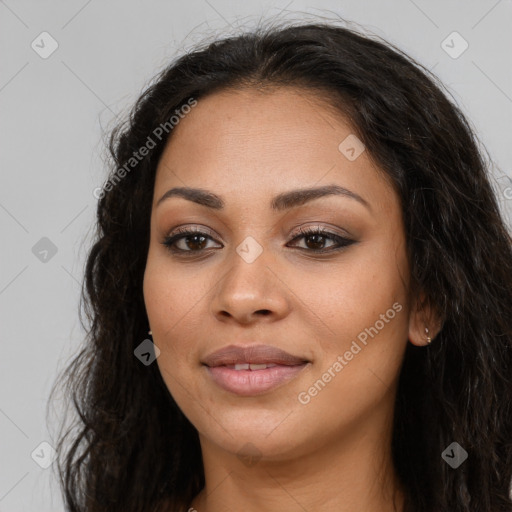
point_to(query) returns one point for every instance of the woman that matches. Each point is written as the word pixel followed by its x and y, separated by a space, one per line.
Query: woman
pixel 303 222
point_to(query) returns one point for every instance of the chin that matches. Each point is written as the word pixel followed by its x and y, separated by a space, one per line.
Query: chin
pixel 270 440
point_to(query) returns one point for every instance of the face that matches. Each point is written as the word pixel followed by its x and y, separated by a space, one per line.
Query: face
pixel 320 275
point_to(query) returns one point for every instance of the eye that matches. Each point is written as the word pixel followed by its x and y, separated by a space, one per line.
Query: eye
pixel 195 240
pixel 317 237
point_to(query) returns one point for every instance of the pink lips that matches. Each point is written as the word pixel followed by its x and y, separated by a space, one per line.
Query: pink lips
pixel 247 382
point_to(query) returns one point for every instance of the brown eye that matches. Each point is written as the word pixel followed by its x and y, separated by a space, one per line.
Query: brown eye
pixel 187 241
pixel 193 242
pixel 316 238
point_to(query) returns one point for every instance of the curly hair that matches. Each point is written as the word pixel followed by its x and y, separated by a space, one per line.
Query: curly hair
pixel 132 449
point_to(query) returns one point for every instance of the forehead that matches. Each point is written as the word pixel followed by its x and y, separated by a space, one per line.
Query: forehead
pixel 250 142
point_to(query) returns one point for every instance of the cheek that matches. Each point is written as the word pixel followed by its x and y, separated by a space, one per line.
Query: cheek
pixel 359 310
pixel 371 346
pixel 352 294
pixel 170 288
pixel 173 301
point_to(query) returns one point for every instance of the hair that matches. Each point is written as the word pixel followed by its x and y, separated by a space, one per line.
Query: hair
pixel 132 448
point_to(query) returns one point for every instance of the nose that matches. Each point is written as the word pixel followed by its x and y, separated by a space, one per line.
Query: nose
pixel 250 292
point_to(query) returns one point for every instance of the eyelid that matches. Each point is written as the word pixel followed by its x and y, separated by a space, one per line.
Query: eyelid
pixel 301 230
pixel 197 228
pixel 318 226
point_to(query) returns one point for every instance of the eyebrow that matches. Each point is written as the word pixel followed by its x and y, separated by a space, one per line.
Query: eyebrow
pixel 283 201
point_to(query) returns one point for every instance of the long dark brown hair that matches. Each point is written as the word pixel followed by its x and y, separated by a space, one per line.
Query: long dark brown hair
pixel 131 448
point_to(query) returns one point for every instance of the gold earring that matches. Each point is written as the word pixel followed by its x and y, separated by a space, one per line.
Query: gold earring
pixel 429 339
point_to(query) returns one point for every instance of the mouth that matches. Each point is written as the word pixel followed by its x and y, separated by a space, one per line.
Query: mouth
pixel 253 370
pixel 249 366
pixel 233 355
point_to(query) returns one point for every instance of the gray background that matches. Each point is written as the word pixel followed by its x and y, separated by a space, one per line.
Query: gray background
pixel 55 109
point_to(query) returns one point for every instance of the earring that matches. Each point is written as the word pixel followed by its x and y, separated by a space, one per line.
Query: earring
pixel 150 333
pixel 429 339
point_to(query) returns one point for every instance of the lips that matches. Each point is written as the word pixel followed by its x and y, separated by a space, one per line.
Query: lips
pixel 254 370
pixel 252 355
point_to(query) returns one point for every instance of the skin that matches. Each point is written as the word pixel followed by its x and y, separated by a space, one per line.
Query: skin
pixel 334 452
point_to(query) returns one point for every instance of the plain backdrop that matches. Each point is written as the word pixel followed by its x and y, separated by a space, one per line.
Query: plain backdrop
pixel 55 109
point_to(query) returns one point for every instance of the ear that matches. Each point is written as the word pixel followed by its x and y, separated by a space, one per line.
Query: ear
pixel 423 316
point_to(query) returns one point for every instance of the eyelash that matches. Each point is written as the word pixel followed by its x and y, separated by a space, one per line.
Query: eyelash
pixel 342 242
